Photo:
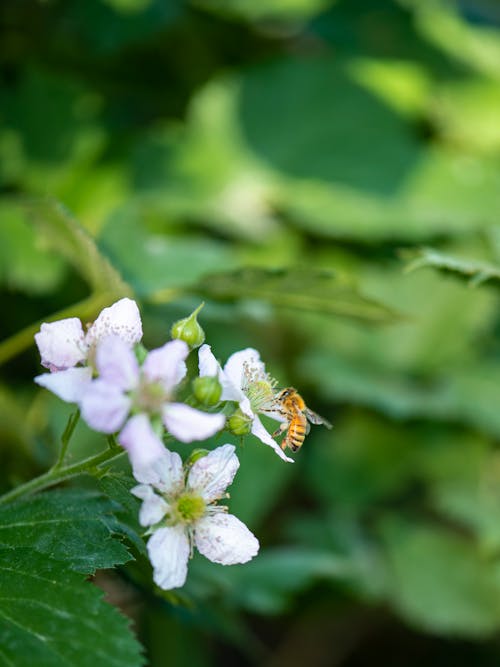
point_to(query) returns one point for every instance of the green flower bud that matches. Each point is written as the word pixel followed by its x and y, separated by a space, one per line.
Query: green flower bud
pixel 195 455
pixel 239 423
pixel 207 390
pixel 189 330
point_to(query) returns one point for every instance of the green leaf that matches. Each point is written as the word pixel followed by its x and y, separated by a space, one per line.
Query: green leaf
pixel 23 264
pixel 465 395
pixel 440 582
pixel 69 526
pixel 159 261
pixel 365 460
pixel 125 520
pixel 267 584
pixel 51 617
pixel 262 10
pixel 106 27
pixel 447 192
pixel 300 289
pixel 476 46
pixel 475 271
pixel 66 236
pixel 334 130
pixel 257 462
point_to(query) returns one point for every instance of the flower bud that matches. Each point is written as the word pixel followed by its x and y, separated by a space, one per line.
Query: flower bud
pixel 189 330
pixel 207 390
pixel 239 423
pixel 195 455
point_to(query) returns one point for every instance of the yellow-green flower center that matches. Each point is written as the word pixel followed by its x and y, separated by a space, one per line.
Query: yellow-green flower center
pixel 150 396
pixel 260 394
pixel 190 507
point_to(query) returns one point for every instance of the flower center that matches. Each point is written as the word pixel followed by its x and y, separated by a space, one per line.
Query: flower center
pixel 190 507
pixel 150 397
pixel 259 387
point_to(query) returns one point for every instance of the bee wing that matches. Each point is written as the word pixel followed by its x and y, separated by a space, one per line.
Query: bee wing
pixel 316 419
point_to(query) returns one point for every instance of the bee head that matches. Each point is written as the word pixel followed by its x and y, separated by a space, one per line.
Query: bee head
pixel 284 393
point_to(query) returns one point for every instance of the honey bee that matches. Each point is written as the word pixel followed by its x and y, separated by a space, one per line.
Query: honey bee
pixel 290 404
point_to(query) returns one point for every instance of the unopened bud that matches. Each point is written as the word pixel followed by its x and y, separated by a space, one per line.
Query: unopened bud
pixel 239 423
pixel 195 455
pixel 207 390
pixel 189 330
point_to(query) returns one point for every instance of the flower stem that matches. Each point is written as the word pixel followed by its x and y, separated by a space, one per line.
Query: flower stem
pixel 65 438
pixel 60 473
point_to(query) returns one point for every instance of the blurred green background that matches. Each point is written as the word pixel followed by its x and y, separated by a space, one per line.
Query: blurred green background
pixel 285 161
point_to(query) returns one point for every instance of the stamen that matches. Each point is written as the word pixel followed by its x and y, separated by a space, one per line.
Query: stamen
pixel 258 386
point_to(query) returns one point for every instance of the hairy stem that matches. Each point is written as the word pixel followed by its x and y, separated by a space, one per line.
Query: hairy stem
pixel 58 474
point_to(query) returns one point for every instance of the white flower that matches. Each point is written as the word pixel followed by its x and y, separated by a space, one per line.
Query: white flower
pixel 181 511
pixel 63 345
pixel 124 386
pixel 244 380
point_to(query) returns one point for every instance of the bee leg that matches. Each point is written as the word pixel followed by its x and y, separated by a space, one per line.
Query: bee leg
pixel 283 427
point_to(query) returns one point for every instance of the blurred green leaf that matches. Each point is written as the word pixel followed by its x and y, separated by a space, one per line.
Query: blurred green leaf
pixel 463 473
pixel 421 345
pixel 476 46
pixel 63 233
pixel 440 581
pixel 466 395
pixel 64 109
pixel 258 462
pixel 300 288
pixel 106 26
pixel 475 271
pixel 465 114
pixel 152 261
pixel 364 460
pixel 334 130
pixel 267 584
pixel 24 265
pixel 447 192
pixel 265 10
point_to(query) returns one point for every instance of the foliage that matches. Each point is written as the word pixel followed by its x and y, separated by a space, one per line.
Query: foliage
pixel 291 163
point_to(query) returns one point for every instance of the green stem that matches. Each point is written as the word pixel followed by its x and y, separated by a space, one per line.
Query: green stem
pixel 65 438
pixel 56 475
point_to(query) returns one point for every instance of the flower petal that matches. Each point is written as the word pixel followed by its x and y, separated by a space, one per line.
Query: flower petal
pixel 122 319
pixel 208 365
pixel 104 406
pixel 151 462
pixel 153 508
pixel 61 344
pixel 212 474
pixel 166 364
pixel 260 432
pixel 187 424
pixel 239 361
pixel 224 539
pixel 70 385
pixel 116 362
pixel 168 550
